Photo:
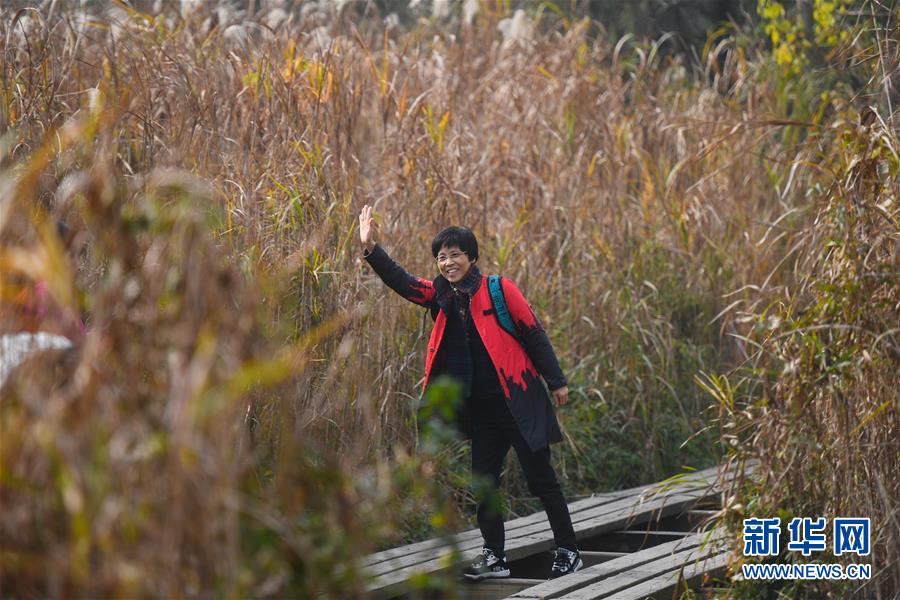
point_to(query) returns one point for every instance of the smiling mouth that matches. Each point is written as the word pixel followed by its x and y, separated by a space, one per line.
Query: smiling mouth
pixel 452 271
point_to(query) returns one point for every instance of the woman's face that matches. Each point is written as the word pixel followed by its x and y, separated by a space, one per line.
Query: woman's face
pixel 454 263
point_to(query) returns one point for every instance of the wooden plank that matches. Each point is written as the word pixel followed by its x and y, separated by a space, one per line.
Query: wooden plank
pixel 587 529
pixel 630 540
pixel 407 556
pixel 594 557
pixel 689 520
pixel 590 575
pixel 511 525
pixel 539 538
pixel 630 578
pixel 663 586
pixel 659 571
pixel 491 589
pixel 698 478
pixel 660 507
pixel 535 537
pixel 607 517
pixel 646 532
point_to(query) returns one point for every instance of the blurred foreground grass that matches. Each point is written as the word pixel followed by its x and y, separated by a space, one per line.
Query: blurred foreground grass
pixel 713 256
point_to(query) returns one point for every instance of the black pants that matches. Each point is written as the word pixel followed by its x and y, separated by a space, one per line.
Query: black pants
pixel 493 432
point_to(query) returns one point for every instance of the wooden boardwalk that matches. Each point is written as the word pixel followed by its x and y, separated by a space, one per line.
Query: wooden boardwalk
pixel 637 543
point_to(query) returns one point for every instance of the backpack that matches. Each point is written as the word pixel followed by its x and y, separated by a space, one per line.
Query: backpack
pixel 499 303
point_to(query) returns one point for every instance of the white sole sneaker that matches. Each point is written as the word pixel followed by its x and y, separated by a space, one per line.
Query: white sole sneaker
pixel 488 575
pixel 577 566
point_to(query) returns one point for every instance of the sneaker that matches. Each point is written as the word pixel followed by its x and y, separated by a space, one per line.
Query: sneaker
pixel 565 562
pixel 487 565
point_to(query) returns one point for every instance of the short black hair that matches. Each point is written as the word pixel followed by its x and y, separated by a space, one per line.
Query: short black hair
pixel 461 237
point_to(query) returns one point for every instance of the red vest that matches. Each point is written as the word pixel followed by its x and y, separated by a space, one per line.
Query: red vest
pixel 508 356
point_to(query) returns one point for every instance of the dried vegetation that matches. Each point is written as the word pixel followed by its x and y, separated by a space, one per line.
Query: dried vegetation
pixel 238 418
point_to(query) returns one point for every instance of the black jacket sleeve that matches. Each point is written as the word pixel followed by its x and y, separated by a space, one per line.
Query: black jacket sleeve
pixel 414 289
pixel 533 337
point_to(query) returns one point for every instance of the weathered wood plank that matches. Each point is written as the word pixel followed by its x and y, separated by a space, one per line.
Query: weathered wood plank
pixel 415 553
pixel 539 537
pixel 607 517
pixel 630 578
pixel 697 479
pixel 659 571
pixel 491 589
pixel 687 521
pixel 511 525
pixel 657 508
pixel 641 538
pixel 594 557
pixel 703 513
pixel 407 556
pixel 593 574
pixel 630 540
pixel 662 586
pixel 648 532
pixel 536 536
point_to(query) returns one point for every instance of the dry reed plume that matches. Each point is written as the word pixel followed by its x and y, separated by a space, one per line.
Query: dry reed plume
pixel 246 387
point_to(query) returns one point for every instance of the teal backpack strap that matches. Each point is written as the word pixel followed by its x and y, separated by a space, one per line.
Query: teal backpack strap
pixel 499 303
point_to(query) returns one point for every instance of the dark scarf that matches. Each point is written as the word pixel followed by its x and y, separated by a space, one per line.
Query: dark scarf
pixel 454 358
pixel 445 290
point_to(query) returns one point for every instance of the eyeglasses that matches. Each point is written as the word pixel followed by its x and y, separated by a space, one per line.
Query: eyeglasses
pixel 454 256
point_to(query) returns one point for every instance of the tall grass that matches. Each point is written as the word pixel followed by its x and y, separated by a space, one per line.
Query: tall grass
pixel 816 401
pixel 636 206
pixel 588 213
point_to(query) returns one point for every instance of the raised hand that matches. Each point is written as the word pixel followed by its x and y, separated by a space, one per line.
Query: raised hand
pixel 367 227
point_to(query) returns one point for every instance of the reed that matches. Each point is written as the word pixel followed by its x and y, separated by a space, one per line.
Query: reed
pixel 815 403
pixel 213 165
